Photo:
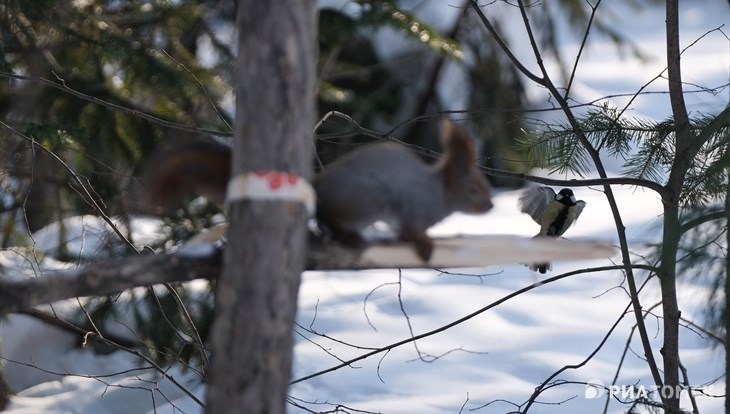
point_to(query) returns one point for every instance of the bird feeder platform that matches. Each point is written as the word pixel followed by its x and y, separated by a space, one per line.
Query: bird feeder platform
pixel 477 251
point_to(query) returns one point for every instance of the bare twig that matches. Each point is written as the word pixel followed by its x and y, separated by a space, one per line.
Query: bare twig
pixel 115 345
pixel 119 108
pixel 405 314
pixel 660 75
pixel 603 181
pixel 197 339
pixel 463 319
pixel 365 303
pixel 583 43
pixel 688 388
pixel 595 157
pixel 627 346
pixel 202 88
pixel 503 45
pixel 544 385
pixel 85 192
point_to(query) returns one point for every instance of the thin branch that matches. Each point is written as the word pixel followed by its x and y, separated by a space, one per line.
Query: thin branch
pixel 116 345
pixel 197 339
pixel 503 45
pixel 688 387
pixel 461 320
pixel 543 386
pixel 722 120
pixel 405 315
pixel 691 224
pixel 660 75
pixel 119 108
pixel 638 182
pixel 327 351
pixel 533 43
pixel 595 157
pixel 582 46
pixel 365 303
pixel 84 191
pixel 387 136
pixel 627 346
pixel 702 331
pixel 202 88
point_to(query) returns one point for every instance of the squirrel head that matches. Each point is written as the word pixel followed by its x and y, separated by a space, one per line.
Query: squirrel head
pixel 467 188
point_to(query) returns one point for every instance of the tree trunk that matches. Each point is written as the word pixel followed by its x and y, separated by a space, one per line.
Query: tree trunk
pixel 4 389
pixel 727 295
pixel 252 340
pixel 670 308
pixel 686 148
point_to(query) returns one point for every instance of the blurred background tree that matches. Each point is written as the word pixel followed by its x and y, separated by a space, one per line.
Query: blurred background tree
pixel 104 84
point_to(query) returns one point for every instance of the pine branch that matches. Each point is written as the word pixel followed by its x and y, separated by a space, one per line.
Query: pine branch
pixel 356 128
pixel 595 157
pixel 702 219
pixel 389 13
pixel 83 190
pixel 130 110
pixel 576 183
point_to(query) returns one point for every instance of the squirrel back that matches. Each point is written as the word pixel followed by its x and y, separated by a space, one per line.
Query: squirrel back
pixel 387 182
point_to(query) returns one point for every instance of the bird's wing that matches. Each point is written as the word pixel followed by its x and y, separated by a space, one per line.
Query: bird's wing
pixel 578 208
pixel 534 200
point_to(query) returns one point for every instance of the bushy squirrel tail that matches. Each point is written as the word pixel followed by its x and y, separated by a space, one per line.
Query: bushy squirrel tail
pixel 194 168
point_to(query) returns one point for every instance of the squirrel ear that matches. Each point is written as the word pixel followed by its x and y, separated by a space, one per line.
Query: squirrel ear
pixel 458 147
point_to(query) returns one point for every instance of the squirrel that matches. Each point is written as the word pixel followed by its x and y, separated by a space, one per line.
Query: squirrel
pixel 377 182
pixel 199 167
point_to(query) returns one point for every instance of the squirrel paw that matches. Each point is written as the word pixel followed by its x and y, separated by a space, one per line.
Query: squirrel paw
pixel 423 244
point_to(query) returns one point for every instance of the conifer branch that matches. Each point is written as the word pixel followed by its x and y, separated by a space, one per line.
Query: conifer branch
pixel 638 182
pixel 115 107
pixel 595 157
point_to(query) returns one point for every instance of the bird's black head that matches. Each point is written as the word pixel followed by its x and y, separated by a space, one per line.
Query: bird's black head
pixel 566 196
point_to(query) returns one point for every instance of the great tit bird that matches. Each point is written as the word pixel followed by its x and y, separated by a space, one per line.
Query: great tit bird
pixel 553 212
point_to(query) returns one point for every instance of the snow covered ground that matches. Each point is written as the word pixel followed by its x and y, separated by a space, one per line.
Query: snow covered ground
pixel 498 356
pixel 486 364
